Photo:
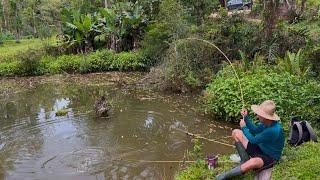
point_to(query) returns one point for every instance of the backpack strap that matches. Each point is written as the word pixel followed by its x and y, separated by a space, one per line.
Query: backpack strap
pixel 313 135
pixel 299 127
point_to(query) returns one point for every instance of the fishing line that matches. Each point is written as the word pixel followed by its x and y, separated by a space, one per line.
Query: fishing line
pixel 235 73
pixel 204 138
pixel 226 57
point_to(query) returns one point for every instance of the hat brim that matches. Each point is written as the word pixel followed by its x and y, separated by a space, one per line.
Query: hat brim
pixel 256 109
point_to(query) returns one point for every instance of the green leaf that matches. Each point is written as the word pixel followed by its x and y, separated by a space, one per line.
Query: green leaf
pixel 87 22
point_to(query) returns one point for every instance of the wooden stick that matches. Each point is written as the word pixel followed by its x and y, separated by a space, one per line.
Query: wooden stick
pixel 146 161
pixel 149 161
pixel 44 164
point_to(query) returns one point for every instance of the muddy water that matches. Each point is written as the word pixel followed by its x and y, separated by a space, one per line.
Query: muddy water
pixel 144 125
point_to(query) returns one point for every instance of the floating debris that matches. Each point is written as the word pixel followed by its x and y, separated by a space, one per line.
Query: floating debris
pixel 62 112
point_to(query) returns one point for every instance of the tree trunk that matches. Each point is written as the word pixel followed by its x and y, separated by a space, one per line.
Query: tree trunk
pixel 270 17
pixel 294 5
pixel 223 3
pixel 17 25
pixel 303 5
pixel 113 45
pixel 34 24
pixel 288 4
pixel 107 3
pixel 135 43
pixel 5 11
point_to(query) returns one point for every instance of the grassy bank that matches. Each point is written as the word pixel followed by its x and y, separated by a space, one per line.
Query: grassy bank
pixel 32 57
pixel 301 162
pixel 33 63
pixel 295 93
pixel 10 48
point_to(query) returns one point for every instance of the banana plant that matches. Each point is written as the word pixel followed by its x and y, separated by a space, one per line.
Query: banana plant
pixel 80 31
pixel 109 26
pixel 122 22
pixel 134 22
pixel 119 27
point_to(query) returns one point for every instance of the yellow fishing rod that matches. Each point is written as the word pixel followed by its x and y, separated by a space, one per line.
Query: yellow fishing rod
pixel 235 73
pixel 226 57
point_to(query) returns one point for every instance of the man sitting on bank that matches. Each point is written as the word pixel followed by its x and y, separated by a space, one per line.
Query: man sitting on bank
pixel 263 142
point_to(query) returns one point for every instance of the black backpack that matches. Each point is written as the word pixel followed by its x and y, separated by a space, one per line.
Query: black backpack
pixel 300 132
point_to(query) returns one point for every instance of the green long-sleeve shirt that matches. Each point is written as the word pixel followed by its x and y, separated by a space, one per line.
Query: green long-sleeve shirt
pixel 270 139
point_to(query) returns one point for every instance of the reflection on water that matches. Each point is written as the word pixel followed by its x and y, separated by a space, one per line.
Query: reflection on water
pixel 37 144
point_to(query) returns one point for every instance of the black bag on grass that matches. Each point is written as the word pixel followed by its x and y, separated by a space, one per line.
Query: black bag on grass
pixel 300 132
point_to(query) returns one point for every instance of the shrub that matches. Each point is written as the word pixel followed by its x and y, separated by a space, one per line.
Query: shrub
pixel 314 57
pixel 29 61
pixel 128 61
pixel 189 65
pixel 198 9
pixel 232 33
pixel 293 95
pixel 291 38
pixel 171 24
pixel 9 69
pixel 97 62
pixel 66 63
pixel 8 36
pixel 53 50
pixel 35 63
pixel 27 37
pixel 45 65
pixel 100 60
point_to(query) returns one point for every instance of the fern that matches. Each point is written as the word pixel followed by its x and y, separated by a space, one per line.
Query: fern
pixel 273 52
pixel 294 63
pixel 245 63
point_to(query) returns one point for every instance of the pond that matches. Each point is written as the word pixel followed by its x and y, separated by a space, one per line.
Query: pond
pixel 144 126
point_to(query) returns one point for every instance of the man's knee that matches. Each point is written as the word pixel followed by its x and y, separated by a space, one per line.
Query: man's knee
pixel 252 164
pixel 236 133
pixel 257 161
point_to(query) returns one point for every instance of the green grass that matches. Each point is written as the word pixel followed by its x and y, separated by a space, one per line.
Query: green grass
pixel 302 162
pixel 33 62
pixel 9 49
pixel 312 3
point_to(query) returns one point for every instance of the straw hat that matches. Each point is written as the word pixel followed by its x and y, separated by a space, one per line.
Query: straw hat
pixel 267 110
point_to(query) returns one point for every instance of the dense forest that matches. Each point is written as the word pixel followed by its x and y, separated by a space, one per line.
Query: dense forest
pixel 233 57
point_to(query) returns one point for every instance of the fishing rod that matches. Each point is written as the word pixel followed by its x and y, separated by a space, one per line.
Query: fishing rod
pixel 207 139
pixel 228 60
pixel 235 73
pixel 169 161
